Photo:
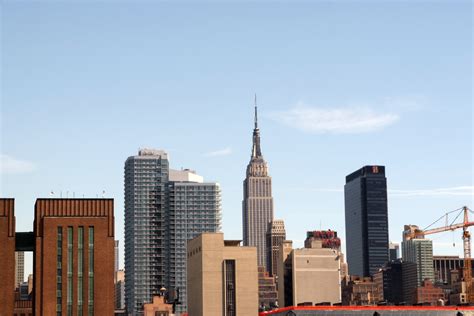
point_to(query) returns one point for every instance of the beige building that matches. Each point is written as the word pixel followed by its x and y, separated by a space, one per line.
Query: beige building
pixel 222 277
pixel 308 275
pixel 158 308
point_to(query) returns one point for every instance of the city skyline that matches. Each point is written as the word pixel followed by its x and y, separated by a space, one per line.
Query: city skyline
pixel 73 111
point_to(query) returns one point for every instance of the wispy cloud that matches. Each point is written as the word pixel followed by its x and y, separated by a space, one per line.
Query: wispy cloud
pixel 220 152
pixel 334 120
pixel 452 191
pixel 11 165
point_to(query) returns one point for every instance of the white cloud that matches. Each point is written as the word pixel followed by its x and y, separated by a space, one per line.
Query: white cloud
pixel 11 165
pixel 220 152
pixel 453 191
pixel 334 120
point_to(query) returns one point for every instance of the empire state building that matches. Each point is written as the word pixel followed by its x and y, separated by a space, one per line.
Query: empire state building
pixel 257 205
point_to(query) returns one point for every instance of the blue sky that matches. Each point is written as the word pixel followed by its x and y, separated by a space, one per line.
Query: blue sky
pixel 340 85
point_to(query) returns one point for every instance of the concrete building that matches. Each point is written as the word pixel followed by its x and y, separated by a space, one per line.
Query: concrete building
pixel 173 206
pixel 7 256
pixel 275 236
pixel 443 267
pixel 419 251
pixel 222 277
pixel 19 267
pixel 74 256
pixel 361 291
pixel 158 307
pixel 309 275
pixel 366 218
pixel 257 204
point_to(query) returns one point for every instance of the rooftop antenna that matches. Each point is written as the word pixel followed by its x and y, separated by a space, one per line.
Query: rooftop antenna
pixel 255 102
pixel 103 193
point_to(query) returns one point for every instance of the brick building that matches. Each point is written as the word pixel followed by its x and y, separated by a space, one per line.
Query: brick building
pixel 74 239
pixel 428 293
pixel 7 256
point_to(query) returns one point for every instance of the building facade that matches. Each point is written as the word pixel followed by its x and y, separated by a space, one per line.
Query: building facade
pixel 146 179
pixel 366 218
pixel 315 275
pixel 389 279
pixel 275 236
pixel 74 257
pixel 419 251
pixel 19 267
pixel 172 206
pixel 7 256
pixel 222 277
pixel 194 208
pixel 257 204
pixel 394 249
pixel 361 291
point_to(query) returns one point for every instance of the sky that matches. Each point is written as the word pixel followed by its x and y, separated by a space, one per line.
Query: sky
pixel 340 85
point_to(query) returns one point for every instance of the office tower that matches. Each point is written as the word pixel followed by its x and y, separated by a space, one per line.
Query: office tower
pixel 257 205
pixel 222 277
pixel 19 268
pixel 409 282
pixel 389 278
pixel 419 251
pixel 393 251
pixel 275 236
pixel 7 255
pixel 315 275
pixel 116 263
pixel 74 257
pixel 146 179
pixel 365 197
pixel 194 208
pixel 173 206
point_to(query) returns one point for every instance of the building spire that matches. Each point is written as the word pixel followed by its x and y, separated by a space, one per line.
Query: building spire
pixel 256 120
pixel 256 152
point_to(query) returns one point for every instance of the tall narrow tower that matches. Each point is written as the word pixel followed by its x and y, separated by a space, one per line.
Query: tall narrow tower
pixel 257 205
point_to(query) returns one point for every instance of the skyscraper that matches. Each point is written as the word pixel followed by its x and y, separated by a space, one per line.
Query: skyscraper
pixel 194 208
pixel 365 195
pixel 419 251
pixel 164 208
pixel 257 204
pixel 146 179
pixel 275 236
pixel 19 268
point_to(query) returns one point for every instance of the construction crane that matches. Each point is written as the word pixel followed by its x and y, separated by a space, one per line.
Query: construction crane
pixel 412 232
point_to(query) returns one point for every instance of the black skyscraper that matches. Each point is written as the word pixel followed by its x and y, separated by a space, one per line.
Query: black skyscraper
pixel 365 195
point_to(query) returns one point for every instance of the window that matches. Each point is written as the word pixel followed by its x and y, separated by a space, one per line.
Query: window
pixel 80 269
pixel 229 275
pixel 69 270
pixel 91 271
pixel 59 250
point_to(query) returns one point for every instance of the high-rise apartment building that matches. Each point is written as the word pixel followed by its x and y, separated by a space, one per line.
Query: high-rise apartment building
pixel 257 204
pixel 146 185
pixel 222 277
pixel 164 208
pixel 275 236
pixel 194 208
pixel 19 268
pixel 365 196
pixel 74 257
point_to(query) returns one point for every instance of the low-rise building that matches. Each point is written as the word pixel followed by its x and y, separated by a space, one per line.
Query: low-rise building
pixel 362 291
pixel 222 277
pixel 427 293
pixel 267 292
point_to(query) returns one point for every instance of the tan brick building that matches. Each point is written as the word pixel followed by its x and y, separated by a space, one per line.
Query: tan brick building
pixel 222 277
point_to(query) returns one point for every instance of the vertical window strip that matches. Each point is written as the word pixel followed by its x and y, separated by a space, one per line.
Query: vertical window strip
pixel 80 268
pixel 91 272
pixel 59 272
pixel 69 270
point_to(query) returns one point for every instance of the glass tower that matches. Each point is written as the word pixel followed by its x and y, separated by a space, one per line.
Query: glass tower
pixel 365 197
